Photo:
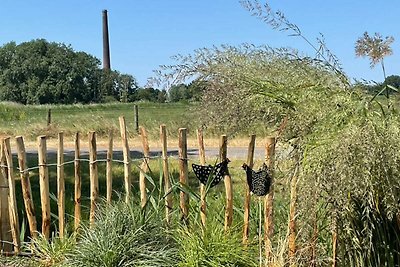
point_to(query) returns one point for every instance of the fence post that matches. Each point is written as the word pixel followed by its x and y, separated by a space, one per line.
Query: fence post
pixel 144 168
pixel 127 158
pixel 26 187
pixel 77 182
pixel 44 185
pixel 183 173
pixel 268 200
pixel 136 114
pixel 167 184
pixel 4 211
pixel 12 199
pixel 202 158
pixel 109 166
pixel 61 185
pixel 228 184
pixel 247 197
pixel 49 117
pixel 94 180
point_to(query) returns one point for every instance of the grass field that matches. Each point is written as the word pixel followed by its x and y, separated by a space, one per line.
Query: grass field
pixel 30 121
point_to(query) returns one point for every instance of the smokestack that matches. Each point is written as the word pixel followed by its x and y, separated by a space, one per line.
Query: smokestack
pixel 106 43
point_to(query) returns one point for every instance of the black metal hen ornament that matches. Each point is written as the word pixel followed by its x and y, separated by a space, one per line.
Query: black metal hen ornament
pixel 259 181
pixel 215 173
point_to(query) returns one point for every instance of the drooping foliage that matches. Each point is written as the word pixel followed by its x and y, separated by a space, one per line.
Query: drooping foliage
pixel 347 145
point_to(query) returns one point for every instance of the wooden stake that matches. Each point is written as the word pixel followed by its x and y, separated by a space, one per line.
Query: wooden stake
pixel 12 199
pixel 136 114
pixel 202 158
pixel 4 211
pixel 183 173
pixel 292 215
pixel 268 202
pixel 49 117
pixel 247 197
pixel 61 184
pixel 26 187
pixel 109 166
pixel 167 184
pixel 228 184
pixel 144 167
pixel 94 180
pixel 44 185
pixel 77 183
pixel 127 158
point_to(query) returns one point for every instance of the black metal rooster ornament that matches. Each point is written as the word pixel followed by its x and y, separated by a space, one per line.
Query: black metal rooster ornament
pixel 259 181
pixel 215 173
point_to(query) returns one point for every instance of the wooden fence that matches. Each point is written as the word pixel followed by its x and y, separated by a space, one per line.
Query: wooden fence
pixel 9 230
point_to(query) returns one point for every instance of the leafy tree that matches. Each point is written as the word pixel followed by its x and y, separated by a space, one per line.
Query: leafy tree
pixel 120 87
pixel 196 89
pixel 39 72
pixel 162 96
pixel 178 92
pixel 183 92
pixel 127 87
pixel 392 80
pixel 147 94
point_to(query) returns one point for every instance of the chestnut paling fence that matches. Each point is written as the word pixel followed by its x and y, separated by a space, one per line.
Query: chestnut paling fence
pixel 10 228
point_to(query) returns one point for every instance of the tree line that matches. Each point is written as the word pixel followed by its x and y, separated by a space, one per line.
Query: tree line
pixel 391 84
pixel 42 72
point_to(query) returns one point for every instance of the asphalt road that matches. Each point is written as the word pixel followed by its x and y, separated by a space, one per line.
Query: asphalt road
pixel 233 153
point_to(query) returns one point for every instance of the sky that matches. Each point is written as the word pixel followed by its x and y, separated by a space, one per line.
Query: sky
pixel 146 34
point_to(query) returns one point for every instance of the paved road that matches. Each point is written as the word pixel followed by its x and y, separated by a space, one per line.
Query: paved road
pixel 233 153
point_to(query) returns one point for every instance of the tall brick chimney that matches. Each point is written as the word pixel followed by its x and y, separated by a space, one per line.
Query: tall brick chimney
pixel 106 43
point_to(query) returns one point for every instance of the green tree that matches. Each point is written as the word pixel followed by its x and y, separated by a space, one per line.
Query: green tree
pixel 39 72
pixel 162 96
pixel 178 92
pixel 147 94
pixel 118 87
pixel 127 87
pixel 392 80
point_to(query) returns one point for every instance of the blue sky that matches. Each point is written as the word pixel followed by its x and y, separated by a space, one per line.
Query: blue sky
pixel 145 34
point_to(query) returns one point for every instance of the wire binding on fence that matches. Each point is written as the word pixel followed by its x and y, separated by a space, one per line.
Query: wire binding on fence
pixel 83 160
pixel 99 160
